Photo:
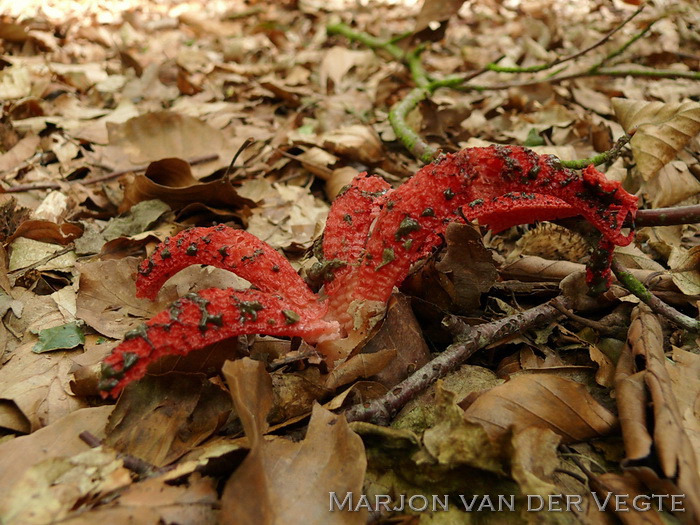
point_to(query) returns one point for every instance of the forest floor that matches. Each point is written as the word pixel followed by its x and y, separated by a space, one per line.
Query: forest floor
pixel 120 122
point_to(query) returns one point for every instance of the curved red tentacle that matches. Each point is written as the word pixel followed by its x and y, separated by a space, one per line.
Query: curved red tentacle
pixel 501 186
pixel 345 236
pixel 199 319
pixel 234 250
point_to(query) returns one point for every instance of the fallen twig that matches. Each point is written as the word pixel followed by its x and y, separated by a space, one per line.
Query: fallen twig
pixel 637 288
pixel 382 410
pixel 114 175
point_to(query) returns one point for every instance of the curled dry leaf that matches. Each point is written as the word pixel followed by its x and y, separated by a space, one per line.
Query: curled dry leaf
pixel 46 231
pixel 662 130
pixel 51 490
pixel 107 297
pixel 433 18
pixel 266 488
pixel 164 417
pixel 658 447
pixel 21 152
pixel 359 143
pixel 171 181
pixel 541 400
pixel 400 331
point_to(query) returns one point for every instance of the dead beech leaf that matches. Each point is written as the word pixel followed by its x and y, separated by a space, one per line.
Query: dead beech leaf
pixel 672 184
pixel 46 231
pixel 685 269
pixel 39 256
pixel 534 460
pixel 628 488
pixel 61 485
pixel 37 385
pixel 336 64
pixel 267 488
pixel 662 130
pixel 658 448
pixel 338 179
pixel 433 18
pixel 455 441
pixel 543 400
pixel 164 134
pixel 22 151
pixel 60 439
pixel 171 181
pixel 360 365
pixel 399 330
pixel 158 500
pixel 107 297
pixel 533 268
pixel 685 381
pixel 359 143
pixel 161 418
pixel 468 264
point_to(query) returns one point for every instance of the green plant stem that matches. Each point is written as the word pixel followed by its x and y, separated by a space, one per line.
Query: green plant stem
pixel 637 288
pixel 411 140
pixel 368 40
pixel 541 67
pixel 617 52
pixel 608 156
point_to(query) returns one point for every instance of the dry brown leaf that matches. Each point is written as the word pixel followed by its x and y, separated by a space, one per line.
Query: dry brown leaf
pixel 672 184
pixel 336 64
pixel 685 269
pixel 22 151
pixel 46 231
pixel 157 500
pixel 59 439
pixel 433 18
pixel 107 297
pixel 161 418
pixel 359 143
pixel 285 482
pixel 658 449
pixel 541 400
pixel 163 134
pixel 627 488
pixel 171 181
pixel 662 130
pixel 685 381
pixel 534 460
pixel 400 331
pixel 51 489
pixel 468 264
pixel 360 365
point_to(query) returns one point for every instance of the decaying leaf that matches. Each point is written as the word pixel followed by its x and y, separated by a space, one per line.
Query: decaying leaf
pixel 541 400
pixel 658 448
pixel 159 135
pixel 171 181
pixel 162 418
pixel 285 482
pixel 662 130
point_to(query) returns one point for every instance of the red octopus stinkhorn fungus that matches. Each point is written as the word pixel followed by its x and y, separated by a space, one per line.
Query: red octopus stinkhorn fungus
pixel 373 235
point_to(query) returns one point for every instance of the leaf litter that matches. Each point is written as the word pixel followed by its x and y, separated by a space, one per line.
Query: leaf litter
pixel 130 114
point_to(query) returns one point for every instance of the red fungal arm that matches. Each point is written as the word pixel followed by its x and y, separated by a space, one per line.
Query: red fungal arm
pixel 345 236
pixel 351 216
pixel 235 250
pixel 499 185
pixel 206 317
